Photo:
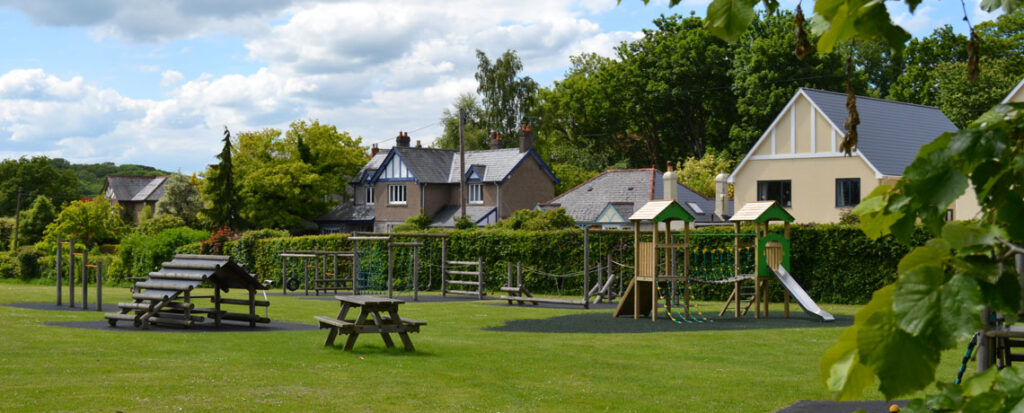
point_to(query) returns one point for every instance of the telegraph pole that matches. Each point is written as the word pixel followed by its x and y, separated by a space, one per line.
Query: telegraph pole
pixel 462 162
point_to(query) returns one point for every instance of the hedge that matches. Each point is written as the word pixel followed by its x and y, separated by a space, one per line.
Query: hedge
pixel 833 263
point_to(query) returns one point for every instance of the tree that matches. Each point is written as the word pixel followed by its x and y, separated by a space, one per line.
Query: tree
pixel 36 176
pixel 507 98
pixel 219 189
pixel 699 174
pixel 181 200
pixel 569 176
pixel 88 222
pixel 963 100
pixel 476 134
pixel 335 156
pixel 35 220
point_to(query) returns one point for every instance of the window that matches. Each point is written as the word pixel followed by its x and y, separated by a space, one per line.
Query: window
pixel 949 215
pixel 369 194
pixel 476 193
pixel 396 194
pixel 779 191
pixel 696 208
pixel 847 192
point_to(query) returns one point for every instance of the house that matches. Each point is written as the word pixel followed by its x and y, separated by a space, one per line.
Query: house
pixel 134 193
pixel 1016 95
pixel 609 199
pixel 406 181
pixel 797 161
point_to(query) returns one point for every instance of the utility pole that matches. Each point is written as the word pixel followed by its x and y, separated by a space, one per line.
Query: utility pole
pixel 462 162
pixel 17 219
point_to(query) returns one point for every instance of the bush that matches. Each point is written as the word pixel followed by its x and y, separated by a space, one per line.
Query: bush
pixel 159 223
pixel 8 264
pixel 139 254
pixel 27 263
pixel 534 220
pixel 464 223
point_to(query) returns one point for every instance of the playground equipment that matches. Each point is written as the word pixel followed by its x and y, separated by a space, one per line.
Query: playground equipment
pixel 323 280
pixel 363 274
pixel 654 261
pixel 166 296
pixel 772 259
pixel 471 273
pixel 83 270
pixel 516 291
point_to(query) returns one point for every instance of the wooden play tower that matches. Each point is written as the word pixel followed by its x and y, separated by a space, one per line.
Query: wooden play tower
pixel 772 252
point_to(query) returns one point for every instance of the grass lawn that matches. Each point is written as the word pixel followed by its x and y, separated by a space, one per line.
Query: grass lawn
pixel 473 356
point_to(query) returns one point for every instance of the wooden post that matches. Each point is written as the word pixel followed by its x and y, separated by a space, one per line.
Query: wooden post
pixel 85 278
pixel 284 275
pixel 686 266
pixel 71 272
pixel 757 265
pixel 252 307
pixel 736 265
pixel 216 304
pixel 785 233
pixel 415 273
pixel 444 262
pixel 336 275
pixel 355 268
pixel 586 267
pixel 480 278
pixel 654 277
pixel 60 276
pixel 636 269
pixel 391 268
pixel 99 285
pixel 305 273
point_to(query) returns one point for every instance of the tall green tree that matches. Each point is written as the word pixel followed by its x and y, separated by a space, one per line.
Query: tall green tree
pixel 35 219
pixel 36 176
pixel 181 199
pixel 475 132
pixel 89 222
pixel 507 97
pixel 219 189
pixel 334 155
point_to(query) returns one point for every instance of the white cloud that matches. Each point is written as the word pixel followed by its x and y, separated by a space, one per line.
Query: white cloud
pixel 170 78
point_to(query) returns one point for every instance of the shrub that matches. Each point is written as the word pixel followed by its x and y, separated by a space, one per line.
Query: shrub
pixel 464 223
pixel 534 220
pixel 8 264
pixel 6 233
pixel 27 263
pixel 219 237
pixel 140 254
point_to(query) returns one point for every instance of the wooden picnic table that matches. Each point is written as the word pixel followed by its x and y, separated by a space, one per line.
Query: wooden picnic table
pixel 370 320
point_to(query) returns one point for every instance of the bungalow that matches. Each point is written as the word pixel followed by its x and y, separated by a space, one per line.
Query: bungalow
pixel 609 199
pixel 406 181
pixel 797 163
pixel 134 193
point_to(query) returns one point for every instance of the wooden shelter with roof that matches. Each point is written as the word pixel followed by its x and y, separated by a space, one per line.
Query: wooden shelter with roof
pixel 165 298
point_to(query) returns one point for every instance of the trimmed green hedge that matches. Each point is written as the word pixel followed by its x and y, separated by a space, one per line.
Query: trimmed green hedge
pixel 836 264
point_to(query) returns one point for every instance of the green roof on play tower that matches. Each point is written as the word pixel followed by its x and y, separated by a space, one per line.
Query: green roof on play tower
pixel 762 212
pixel 661 211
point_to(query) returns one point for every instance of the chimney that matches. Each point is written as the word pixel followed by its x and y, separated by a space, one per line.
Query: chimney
pixel 525 139
pixel 721 195
pixel 670 190
pixel 373 150
pixel 402 140
pixel 418 144
pixel 496 140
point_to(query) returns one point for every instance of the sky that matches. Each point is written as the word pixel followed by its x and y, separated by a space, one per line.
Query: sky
pixel 155 82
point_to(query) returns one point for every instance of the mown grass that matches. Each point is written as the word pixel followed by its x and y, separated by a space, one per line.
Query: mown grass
pixel 472 356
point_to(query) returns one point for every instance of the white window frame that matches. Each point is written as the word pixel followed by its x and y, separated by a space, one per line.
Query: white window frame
pixel 476 193
pixel 396 194
pixel 369 194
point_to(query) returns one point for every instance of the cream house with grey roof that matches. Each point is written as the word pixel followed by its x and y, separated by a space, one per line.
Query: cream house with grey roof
pixel 797 161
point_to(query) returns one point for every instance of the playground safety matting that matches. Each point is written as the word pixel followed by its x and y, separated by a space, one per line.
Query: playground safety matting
pixel 205 327
pixel 602 322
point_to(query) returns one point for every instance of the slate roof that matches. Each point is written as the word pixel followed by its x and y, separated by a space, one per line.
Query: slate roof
pixel 445 218
pixel 441 166
pixel 349 212
pixel 890 132
pixel 370 168
pixel 135 188
pixel 628 190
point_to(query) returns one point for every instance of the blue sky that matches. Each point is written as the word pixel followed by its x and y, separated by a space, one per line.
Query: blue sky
pixel 155 82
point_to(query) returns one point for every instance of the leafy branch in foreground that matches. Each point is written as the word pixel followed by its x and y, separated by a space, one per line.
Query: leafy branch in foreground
pixel 945 285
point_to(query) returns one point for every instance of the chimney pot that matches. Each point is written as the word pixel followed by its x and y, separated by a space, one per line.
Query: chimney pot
pixel 496 140
pixel 418 144
pixel 402 139
pixel 525 139
pixel 373 150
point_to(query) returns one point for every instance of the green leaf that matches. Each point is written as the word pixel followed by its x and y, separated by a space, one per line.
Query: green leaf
pixel 916 406
pixel 903 362
pixel 728 19
pixel 949 398
pixel 962 303
pixel 924 255
pixel 1010 381
pixel 842 372
pixel 1004 297
pixel 916 302
pixel 961 234
pixel 984 403
pixel 1011 213
pixel 979 383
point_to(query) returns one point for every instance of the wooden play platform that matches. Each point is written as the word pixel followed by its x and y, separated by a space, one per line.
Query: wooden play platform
pixel 165 297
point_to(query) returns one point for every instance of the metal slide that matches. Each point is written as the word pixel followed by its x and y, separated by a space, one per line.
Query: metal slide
pixel 809 306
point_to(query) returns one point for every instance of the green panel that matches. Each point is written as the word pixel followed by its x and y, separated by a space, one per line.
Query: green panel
pixel 762 264
pixel 673 211
pixel 775 213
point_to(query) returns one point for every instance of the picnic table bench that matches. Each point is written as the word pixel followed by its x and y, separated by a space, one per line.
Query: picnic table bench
pixel 369 320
